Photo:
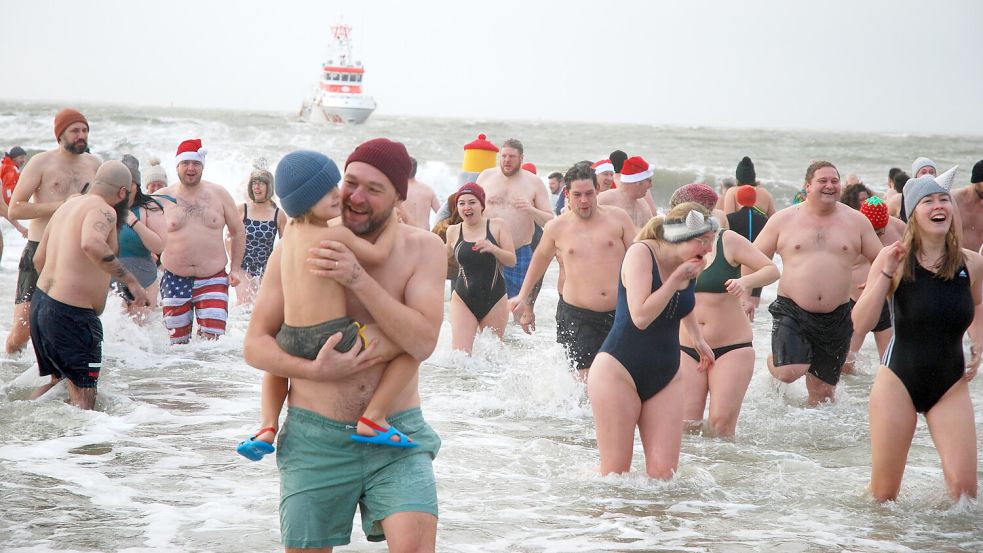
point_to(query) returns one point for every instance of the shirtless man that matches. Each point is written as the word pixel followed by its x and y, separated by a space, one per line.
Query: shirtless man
pixel 404 297
pixel 889 230
pixel 76 257
pixel 969 200
pixel 819 241
pixel 590 241
pixel 420 201
pixel 636 181
pixel 894 201
pixel 745 174
pixel 48 179
pixel 195 282
pixel 519 198
pixel 890 183
pixel 604 170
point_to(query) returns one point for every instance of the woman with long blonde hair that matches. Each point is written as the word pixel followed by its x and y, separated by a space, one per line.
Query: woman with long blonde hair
pixel 933 287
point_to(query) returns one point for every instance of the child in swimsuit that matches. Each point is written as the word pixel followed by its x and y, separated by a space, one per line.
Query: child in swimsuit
pixel 306 183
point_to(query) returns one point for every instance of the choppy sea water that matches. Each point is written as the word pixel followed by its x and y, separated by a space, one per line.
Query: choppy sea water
pixel 153 468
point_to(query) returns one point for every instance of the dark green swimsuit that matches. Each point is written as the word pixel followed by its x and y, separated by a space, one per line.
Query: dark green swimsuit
pixel 712 281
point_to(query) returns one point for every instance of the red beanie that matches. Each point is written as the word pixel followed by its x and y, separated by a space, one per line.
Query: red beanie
pixel 746 195
pixel 473 189
pixel 529 167
pixel 387 156
pixel 66 118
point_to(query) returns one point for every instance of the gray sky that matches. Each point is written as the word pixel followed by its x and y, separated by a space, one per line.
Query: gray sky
pixel 899 66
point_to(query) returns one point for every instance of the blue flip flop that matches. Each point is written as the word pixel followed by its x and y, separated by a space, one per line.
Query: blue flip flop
pixel 253 449
pixel 383 436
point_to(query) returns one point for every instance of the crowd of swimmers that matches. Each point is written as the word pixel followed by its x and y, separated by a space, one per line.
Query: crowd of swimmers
pixel 654 310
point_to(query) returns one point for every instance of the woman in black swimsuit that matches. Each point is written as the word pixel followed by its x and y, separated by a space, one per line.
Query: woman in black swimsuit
pixel 634 380
pixel 933 287
pixel 481 247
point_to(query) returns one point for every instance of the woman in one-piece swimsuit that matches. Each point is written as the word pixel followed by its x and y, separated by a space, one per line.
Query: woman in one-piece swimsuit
pixel 481 246
pixel 264 222
pixel 634 380
pixel 933 287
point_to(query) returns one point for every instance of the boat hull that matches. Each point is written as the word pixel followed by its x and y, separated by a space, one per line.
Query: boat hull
pixel 351 111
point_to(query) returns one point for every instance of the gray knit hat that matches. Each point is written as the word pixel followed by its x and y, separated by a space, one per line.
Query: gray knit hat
pixel 693 225
pixel 920 163
pixel 133 165
pixel 926 185
pixel 303 178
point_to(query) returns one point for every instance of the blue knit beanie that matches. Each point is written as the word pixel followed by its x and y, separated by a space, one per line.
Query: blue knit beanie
pixel 303 178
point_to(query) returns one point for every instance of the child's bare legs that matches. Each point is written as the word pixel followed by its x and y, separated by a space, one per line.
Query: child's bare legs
pixel 397 375
pixel 272 396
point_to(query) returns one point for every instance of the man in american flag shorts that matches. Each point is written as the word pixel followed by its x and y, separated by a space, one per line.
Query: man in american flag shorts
pixel 195 284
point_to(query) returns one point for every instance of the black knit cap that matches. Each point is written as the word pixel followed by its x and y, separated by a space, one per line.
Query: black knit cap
pixel 977 172
pixel 618 158
pixel 745 172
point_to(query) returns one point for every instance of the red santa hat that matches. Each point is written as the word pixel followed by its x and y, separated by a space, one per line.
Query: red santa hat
pixel 603 166
pixel 529 167
pixel 636 169
pixel 191 150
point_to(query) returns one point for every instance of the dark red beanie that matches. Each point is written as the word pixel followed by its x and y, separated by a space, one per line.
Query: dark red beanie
pixel 473 189
pixel 387 156
pixel 66 118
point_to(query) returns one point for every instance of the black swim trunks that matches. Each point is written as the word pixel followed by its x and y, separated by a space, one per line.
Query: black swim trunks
pixel 67 340
pixel 581 332
pixel 27 275
pixel 821 340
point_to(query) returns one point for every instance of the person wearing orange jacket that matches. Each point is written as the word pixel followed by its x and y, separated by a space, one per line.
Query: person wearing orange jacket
pixel 13 161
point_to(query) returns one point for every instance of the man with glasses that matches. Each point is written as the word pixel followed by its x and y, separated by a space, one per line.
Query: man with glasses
pixel 76 257
pixel 195 285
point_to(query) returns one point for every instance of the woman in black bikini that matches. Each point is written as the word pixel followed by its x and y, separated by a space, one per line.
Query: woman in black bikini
pixel 933 287
pixel 720 291
pixel 481 247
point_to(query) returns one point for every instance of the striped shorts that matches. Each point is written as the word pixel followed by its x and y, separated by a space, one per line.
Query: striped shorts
pixel 208 297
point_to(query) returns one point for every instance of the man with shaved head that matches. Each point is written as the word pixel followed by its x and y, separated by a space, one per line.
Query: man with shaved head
pixel 48 179
pixel 75 258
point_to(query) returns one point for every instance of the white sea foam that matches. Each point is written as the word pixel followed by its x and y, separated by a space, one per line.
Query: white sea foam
pixel 153 468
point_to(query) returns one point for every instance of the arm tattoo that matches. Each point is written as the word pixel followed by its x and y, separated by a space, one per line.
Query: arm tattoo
pixel 115 268
pixel 356 272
